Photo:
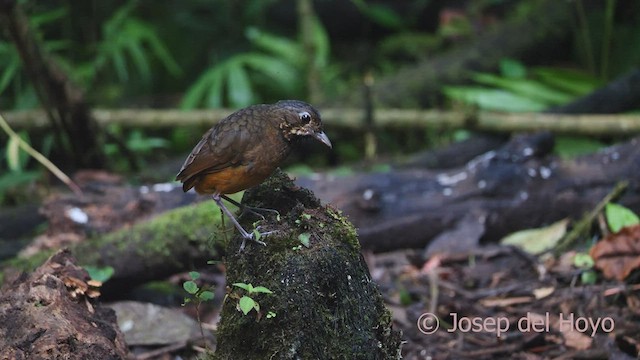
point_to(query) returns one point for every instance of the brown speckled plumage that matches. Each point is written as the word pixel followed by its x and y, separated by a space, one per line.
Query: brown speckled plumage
pixel 242 150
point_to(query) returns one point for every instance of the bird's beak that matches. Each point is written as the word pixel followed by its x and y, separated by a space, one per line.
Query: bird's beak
pixel 323 138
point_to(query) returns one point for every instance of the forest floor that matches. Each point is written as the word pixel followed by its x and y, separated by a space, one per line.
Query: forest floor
pixel 490 302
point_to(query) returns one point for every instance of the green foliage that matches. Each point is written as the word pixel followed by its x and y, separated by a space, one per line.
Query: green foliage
pixel 13 83
pixel 571 146
pixel 127 42
pixel 101 274
pixel 585 262
pixel 619 216
pixel 247 303
pixel 195 292
pixel 518 90
pixel 14 173
pixel 230 79
pixel 277 64
pixel 137 144
pixel 380 14
pixel 251 289
pixel 537 241
pixel 137 141
pixel 605 47
pixel 304 239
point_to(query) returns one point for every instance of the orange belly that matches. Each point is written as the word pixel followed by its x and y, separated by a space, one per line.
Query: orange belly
pixel 228 181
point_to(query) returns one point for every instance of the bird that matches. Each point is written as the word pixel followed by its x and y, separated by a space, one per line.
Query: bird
pixel 245 148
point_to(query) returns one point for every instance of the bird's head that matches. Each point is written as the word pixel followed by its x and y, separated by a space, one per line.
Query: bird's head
pixel 301 120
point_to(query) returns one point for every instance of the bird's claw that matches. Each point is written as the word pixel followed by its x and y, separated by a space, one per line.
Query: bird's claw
pixel 255 236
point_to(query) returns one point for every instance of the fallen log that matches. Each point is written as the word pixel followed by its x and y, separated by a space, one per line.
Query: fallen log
pixel 521 185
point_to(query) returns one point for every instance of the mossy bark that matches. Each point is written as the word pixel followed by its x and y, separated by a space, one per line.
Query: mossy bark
pixel 325 303
pixel 174 241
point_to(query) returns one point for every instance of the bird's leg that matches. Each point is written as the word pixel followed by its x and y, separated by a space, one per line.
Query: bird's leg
pixel 245 235
pixel 251 209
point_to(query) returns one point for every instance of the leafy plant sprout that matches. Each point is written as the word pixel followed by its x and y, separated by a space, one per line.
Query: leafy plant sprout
pixel 197 295
pixel 246 303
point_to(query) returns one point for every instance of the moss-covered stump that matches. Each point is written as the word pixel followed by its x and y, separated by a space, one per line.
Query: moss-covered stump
pixel 324 302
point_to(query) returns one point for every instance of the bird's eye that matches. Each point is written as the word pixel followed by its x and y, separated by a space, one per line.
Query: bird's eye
pixel 305 117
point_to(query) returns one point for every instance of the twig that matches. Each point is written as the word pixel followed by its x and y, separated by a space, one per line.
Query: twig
pixel 40 158
pixel 582 227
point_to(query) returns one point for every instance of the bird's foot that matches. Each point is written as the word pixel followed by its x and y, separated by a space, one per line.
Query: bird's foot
pixel 255 236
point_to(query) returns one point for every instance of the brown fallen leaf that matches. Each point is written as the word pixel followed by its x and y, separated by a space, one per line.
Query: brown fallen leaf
pixel 617 255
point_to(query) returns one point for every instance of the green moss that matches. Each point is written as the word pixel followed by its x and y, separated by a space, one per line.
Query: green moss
pixel 167 238
pixel 326 304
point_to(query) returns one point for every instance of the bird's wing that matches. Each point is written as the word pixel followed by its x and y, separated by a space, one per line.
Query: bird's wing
pixel 220 147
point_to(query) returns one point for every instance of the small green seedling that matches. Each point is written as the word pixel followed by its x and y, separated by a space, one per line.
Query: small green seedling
pixel 246 303
pixel 196 293
pixel 585 262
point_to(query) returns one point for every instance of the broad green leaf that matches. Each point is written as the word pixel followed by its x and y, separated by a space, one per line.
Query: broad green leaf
pixel 208 87
pixel 304 239
pixel 243 286
pixel 537 241
pixel 282 73
pixel 513 69
pixel 525 87
pixel 137 53
pixel 492 99
pixel 194 275
pixel 619 216
pixel 190 287
pixel 239 89
pixel 101 274
pixel 214 92
pixel 281 47
pixel 162 53
pixel 120 65
pixel 261 289
pixel 572 81
pixel 246 304
pixel 206 295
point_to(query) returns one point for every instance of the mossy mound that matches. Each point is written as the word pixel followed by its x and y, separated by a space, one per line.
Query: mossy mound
pixel 325 304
